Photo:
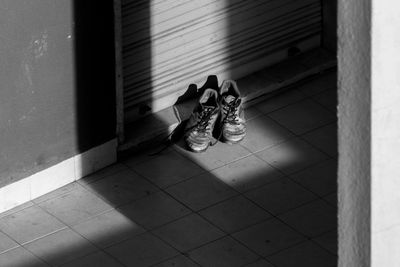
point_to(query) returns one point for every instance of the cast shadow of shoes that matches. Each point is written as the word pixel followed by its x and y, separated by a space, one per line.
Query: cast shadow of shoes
pixel 185 104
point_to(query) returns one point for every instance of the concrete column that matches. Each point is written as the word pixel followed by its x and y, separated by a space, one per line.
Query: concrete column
pixel 369 133
pixel 354 114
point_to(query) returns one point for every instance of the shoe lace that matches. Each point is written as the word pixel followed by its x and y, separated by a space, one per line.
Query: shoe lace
pixel 202 125
pixel 230 110
pixel 204 119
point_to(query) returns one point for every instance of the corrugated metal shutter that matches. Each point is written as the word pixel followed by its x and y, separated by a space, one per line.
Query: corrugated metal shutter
pixel 168 44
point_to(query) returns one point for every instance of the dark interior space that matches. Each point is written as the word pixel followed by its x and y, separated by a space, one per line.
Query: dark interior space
pixel 94 73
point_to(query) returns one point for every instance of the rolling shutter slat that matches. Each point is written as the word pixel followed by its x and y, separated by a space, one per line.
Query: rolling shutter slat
pixel 183 41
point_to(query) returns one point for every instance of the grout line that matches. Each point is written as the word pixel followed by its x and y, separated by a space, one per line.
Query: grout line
pixel 277 218
pixel 322 105
pixel 9 249
pixel 37 238
pixel 99 249
pixel 319 127
pixel 10 212
pixel 84 220
pixel 209 171
pixel 73 230
pixel 273 216
pixel 319 245
pixel 323 124
pixel 181 254
pixel 40 258
pixel 212 169
pixel 284 105
pixel 257 260
pixel 70 228
pixel 162 189
pixel 204 170
pixel 186 206
pixel 57 195
pixel 299 136
pixel 45 235
pixel 239 194
pixel 84 184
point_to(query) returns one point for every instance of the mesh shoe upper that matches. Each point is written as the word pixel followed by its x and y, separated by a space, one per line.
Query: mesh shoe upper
pixel 199 129
pixel 233 120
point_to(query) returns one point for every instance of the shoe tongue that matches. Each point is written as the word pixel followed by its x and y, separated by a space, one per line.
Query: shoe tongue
pixel 229 99
pixel 207 107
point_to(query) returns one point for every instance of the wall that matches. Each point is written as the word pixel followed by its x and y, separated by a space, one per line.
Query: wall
pixel 385 186
pixel 369 144
pixel 354 118
pixel 57 96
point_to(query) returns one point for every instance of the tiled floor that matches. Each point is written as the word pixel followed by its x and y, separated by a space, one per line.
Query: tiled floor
pixel 269 201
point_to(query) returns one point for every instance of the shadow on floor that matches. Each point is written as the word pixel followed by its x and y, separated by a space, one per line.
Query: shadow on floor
pixel 270 201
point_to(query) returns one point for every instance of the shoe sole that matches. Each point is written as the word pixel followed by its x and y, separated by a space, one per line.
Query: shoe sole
pixel 196 151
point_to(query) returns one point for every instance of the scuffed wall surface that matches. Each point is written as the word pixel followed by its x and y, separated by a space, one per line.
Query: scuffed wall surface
pixel 354 132
pixel 47 105
pixel 385 224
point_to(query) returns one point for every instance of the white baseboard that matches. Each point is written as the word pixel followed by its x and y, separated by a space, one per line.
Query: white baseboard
pixel 56 176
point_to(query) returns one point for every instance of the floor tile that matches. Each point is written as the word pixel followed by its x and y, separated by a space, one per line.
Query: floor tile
pixel 328 241
pixel 145 154
pixel 20 257
pixel 188 233
pixel 312 219
pixel 324 138
pixel 97 259
pixel 262 132
pixel 292 156
pixel 260 263
pixel 168 169
pixel 17 208
pixel 321 83
pixel 142 250
pixel 178 261
pixel 280 196
pixel 60 247
pixel 287 70
pixel 268 237
pixel 247 173
pixel 103 173
pixel 223 252
pixel 58 192
pixel 235 214
pixel 6 243
pixel 29 224
pixel 154 210
pixel 122 187
pixel 215 156
pixel 201 191
pixel 75 206
pixel 320 178
pixel 280 101
pixel 251 113
pixel 306 254
pixel 108 228
pixel 328 99
pixel 302 116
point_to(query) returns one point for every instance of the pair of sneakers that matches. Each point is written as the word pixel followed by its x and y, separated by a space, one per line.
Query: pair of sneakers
pixel 222 109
